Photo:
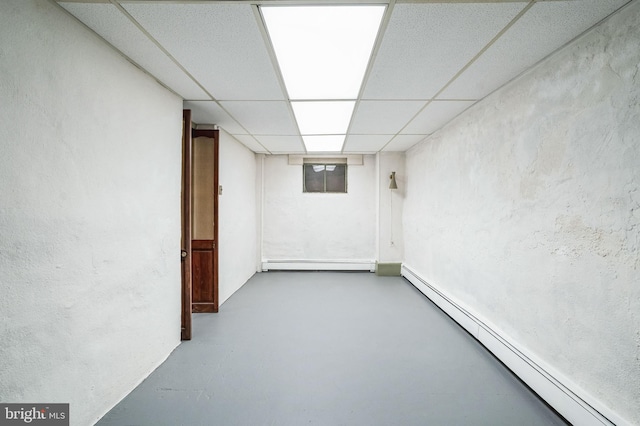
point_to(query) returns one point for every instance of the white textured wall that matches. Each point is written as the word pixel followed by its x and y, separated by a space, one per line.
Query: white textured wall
pixel 526 209
pixel 390 232
pixel 305 226
pixel 237 215
pixel 89 215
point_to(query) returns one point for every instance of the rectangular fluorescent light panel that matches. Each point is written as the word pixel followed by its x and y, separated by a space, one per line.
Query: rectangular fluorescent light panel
pixel 323 117
pixel 323 51
pixel 324 143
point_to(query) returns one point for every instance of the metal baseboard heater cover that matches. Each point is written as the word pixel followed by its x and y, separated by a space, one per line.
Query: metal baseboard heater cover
pixel 318 265
pixel 575 405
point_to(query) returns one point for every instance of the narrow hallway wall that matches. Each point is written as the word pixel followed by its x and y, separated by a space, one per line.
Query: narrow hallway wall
pixel 526 210
pixel 89 215
pixel 237 215
pixel 316 226
pixel 391 201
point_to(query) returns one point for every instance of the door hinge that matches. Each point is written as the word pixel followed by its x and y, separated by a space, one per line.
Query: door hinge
pixel 213 245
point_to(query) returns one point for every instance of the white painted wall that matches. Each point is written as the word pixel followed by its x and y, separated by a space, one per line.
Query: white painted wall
pixel 391 201
pixel 89 215
pixel 326 227
pixel 526 210
pixel 237 215
pixel 260 158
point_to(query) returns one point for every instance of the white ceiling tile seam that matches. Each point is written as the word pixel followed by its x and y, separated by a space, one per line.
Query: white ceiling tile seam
pixel 224 51
pixel 484 49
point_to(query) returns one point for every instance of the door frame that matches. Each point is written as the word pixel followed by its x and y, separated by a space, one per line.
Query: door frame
pixel 185 243
pixel 213 134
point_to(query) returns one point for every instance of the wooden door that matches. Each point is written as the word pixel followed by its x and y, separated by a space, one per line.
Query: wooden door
pixel 204 232
pixel 185 243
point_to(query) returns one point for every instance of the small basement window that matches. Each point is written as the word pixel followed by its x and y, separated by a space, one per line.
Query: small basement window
pixel 324 177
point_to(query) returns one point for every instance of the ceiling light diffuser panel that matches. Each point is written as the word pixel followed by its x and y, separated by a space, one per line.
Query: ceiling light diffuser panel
pixel 324 143
pixel 323 51
pixel 318 118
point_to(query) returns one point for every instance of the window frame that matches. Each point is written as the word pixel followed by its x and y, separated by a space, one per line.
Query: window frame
pixel 324 164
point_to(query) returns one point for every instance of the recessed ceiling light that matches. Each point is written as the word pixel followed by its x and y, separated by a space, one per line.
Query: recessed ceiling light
pixel 323 51
pixel 324 143
pixel 324 117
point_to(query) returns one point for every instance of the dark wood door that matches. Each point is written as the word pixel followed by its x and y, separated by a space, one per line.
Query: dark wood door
pixel 203 262
pixel 204 232
pixel 185 243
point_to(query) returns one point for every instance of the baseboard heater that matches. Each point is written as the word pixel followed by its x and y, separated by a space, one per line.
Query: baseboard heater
pixel 319 265
pixel 558 391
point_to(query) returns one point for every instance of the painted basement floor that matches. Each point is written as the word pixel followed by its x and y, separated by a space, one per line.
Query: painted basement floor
pixel 330 348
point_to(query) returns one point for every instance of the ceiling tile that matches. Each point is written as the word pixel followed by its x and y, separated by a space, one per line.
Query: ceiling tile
pixel 263 117
pixel 365 143
pixel 404 142
pixel 219 44
pixel 277 144
pixel 251 143
pixel 209 112
pixel 425 45
pixel 383 117
pixel 543 29
pixel 435 115
pixel 119 31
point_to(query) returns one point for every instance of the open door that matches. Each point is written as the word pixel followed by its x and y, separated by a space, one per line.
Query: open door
pixel 185 243
pixel 204 231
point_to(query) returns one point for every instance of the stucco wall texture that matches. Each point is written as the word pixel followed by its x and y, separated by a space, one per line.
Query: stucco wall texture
pixel 390 235
pixel 526 209
pixel 314 226
pixel 237 214
pixel 89 215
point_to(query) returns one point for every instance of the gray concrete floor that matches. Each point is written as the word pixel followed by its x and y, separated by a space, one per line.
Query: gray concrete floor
pixel 329 348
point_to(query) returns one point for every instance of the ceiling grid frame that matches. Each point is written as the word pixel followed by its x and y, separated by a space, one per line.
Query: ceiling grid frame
pixel 467 65
pixel 166 52
pixel 390 5
pixel 386 17
pixel 160 46
pixel 298 2
pixel 272 56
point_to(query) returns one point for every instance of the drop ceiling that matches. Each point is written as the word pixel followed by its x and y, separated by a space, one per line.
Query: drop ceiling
pixel 431 61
